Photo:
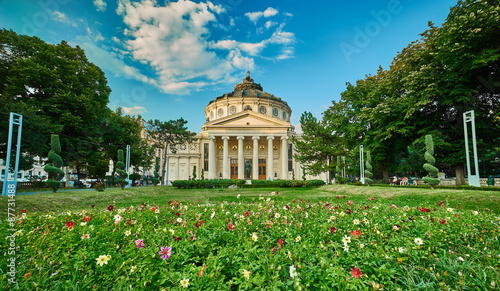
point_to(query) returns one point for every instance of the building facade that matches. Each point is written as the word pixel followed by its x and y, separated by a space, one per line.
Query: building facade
pixel 247 135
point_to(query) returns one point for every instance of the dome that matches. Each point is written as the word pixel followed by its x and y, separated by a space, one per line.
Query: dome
pixel 248 88
pixel 247 95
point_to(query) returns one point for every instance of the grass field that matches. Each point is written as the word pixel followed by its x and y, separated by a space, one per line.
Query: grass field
pixel 74 200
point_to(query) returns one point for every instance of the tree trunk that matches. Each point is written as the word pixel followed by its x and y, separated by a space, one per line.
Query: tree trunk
pixel 164 163
pixel 459 173
pixel 77 176
pixel 385 172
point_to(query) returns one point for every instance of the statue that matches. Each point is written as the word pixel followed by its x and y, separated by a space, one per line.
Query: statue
pixel 247 169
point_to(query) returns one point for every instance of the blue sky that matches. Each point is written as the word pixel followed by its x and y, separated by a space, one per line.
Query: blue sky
pixel 169 59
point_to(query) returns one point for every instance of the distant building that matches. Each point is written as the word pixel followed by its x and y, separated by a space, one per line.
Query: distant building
pixel 246 136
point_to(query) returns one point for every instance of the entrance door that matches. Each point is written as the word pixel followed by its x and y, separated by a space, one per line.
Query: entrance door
pixel 262 169
pixel 234 169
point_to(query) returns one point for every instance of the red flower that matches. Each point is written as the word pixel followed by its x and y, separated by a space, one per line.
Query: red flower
pixel 111 207
pixel 24 210
pixel 93 205
pixel 327 205
pixel 70 224
pixel 333 229
pixel 356 232
pixel 87 218
pixel 344 197
pixel 277 192
pixel 202 269
pixel 196 225
pixel 274 249
pixel 247 214
pixel 432 219
pixel 177 238
pixel 356 272
pixel 458 207
pixel 153 208
pixel 230 226
pixel 202 222
pixel 293 200
pixel 442 221
pixel 177 214
pixel 456 215
pixel 280 241
pixel 372 198
pixel 338 197
pixel 348 211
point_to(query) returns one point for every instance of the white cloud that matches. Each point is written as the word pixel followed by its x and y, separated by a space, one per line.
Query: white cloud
pixel 134 110
pixel 61 17
pixel 100 5
pixel 176 41
pixel 255 16
pixel 112 62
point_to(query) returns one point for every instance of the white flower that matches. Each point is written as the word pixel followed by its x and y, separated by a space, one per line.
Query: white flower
pixel 346 239
pixel 246 274
pixel 449 209
pixel 307 215
pixel 157 210
pixel 277 215
pixel 355 221
pixel 238 196
pixel 254 237
pixel 346 248
pixel 475 212
pixel 361 246
pixel 331 218
pixel 418 241
pixel 83 223
pixel 132 269
pixel 118 218
pixel 365 221
pixel 128 232
pixel 293 271
pixel 402 250
pixel 172 231
pixel 460 259
pixel 179 220
pixel 341 214
pixel 185 282
pixel 227 212
pixel 297 239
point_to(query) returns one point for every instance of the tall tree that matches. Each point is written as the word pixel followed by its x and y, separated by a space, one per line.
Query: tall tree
pixel 167 135
pixel 316 146
pixel 58 82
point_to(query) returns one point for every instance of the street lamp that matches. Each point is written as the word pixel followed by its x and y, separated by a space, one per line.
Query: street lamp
pixel 473 179
pixel 361 165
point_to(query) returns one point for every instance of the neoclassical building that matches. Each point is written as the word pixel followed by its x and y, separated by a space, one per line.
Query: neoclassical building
pixel 246 136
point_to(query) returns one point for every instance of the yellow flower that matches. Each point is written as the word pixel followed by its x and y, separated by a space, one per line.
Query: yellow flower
pixel 400 260
pixel 185 282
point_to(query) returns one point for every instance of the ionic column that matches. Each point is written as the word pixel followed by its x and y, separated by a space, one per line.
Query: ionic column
pixel 225 158
pixel 255 161
pixel 241 162
pixel 284 157
pixel 211 157
pixel 178 175
pixel 270 162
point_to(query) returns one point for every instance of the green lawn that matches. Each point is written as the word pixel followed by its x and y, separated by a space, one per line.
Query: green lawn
pixel 73 200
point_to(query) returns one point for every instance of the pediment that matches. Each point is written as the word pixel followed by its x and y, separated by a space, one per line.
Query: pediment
pixel 248 119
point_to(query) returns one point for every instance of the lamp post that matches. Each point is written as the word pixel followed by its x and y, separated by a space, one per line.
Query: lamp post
pixel 361 165
pixel 9 187
pixel 128 166
pixel 473 179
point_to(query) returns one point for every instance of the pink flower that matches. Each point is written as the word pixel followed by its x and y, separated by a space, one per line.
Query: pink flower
pixel 139 243
pixel 202 270
pixel 230 226
pixel 165 252
pixel 350 202
pixel 355 272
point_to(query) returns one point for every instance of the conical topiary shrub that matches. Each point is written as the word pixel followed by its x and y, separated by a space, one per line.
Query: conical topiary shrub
pixel 369 169
pixel 55 163
pixel 121 170
pixel 337 171
pixel 429 166
pixel 157 175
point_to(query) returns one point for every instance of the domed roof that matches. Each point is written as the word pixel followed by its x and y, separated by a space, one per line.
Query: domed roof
pixel 248 88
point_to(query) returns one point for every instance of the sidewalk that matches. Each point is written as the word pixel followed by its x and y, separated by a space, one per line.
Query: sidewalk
pixel 50 191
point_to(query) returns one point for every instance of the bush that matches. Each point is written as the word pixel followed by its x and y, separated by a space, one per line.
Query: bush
pixel 315 183
pixel 298 183
pixel 284 183
pixel 215 183
pixel 39 184
pixel 99 187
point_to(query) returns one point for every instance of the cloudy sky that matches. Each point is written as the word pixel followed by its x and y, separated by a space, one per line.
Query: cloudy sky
pixel 168 59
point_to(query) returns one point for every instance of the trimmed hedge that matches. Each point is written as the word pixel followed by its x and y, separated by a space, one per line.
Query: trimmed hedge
pixel 224 183
pixel 215 183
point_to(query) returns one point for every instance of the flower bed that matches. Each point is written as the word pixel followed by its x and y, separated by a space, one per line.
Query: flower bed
pixel 258 244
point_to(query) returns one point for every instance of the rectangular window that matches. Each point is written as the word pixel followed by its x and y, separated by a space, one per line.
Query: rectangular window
pixel 205 157
pixel 290 165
